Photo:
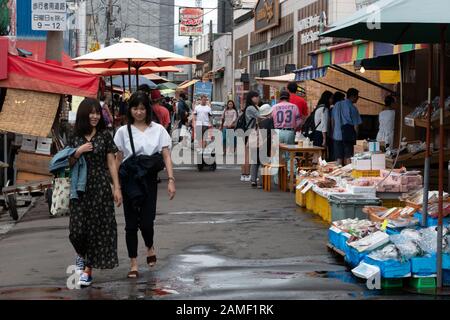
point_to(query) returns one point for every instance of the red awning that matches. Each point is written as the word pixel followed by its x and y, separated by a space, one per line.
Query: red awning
pixel 28 74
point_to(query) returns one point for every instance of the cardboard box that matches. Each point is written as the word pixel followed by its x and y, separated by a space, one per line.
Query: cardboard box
pixel 358 149
pixel 378 161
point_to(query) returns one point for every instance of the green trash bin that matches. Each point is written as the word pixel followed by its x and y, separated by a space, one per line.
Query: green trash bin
pixel 349 206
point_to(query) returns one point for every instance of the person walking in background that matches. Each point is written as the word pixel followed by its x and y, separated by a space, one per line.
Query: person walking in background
pixel 386 120
pixel 229 119
pixel 147 145
pixel 345 121
pixel 161 113
pixel 202 119
pixel 106 112
pixel 287 119
pixel 337 96
pixel 92 226
pixel 251 113
pixel 298 101
pixel 322 119
pixel 264 126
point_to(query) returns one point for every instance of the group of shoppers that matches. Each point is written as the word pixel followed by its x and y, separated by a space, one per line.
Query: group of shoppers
pixel 120 169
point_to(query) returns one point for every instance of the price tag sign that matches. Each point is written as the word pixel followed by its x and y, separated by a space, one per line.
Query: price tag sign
pixel 48 15
pixel 409 122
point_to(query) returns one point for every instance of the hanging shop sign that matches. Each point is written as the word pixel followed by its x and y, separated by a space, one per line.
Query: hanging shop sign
pixel 201 88
pixel 190 22
pixel 48 15
pixel 267 15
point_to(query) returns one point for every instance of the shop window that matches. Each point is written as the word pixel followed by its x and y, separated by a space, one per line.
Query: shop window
pixel 258 62
pixel 280 56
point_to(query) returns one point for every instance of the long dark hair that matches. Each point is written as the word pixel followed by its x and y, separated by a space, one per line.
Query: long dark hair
pixel 82 123
pixel 234 105
pixel 325 99
pixel 137 98
pixel 250 96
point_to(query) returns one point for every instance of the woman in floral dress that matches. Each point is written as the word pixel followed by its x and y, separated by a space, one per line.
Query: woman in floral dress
pixel 93 228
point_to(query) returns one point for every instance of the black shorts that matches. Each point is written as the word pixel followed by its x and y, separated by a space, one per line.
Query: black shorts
pixel 343 149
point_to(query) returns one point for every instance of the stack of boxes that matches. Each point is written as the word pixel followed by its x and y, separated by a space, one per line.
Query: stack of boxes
pixel 371 158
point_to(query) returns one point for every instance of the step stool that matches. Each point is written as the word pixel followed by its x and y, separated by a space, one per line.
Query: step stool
pixel 267 176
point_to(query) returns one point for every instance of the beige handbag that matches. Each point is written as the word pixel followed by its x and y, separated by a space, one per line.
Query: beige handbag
pixel 60 197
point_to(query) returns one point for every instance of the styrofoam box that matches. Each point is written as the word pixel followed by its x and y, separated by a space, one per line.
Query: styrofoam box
pixel 44 146
pixel 363 164
pixel 378 161
pixel 28 143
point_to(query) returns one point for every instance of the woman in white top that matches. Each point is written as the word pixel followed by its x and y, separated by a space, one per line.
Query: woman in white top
pixel 322 119
pixel 149 138
pixel 386 119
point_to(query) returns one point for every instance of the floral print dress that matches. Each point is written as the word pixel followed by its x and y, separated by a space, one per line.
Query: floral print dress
pixel 93 227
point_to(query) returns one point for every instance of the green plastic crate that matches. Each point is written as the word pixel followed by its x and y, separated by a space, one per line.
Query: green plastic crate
pixel 391 283
pixel 345 206
pixel 423 282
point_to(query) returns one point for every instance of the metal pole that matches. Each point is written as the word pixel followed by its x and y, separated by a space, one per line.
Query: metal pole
pixel 112 104
pixel 190 67
pixel 129 75
pixel 123 82
pixel 441 155
pixel 137 77
pixel 426 171
pixel 109 14
pixel 5 158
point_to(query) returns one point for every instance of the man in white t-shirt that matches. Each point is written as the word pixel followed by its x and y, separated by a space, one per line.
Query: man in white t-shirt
pixel 202 119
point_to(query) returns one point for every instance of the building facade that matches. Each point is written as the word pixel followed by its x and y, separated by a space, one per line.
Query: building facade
pixel 151 23
pixel 277 37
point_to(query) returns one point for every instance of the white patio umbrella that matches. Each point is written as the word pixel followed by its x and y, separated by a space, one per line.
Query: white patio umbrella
pixel 130 53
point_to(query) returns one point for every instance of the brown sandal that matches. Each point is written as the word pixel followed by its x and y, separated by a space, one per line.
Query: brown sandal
pixel 133 274
pixel 151 261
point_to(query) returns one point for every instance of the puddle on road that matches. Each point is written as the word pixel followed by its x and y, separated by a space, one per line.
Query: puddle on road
pixel 200 273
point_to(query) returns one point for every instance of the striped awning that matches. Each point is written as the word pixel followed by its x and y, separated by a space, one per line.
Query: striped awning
pixel 309 73
pixel 349 52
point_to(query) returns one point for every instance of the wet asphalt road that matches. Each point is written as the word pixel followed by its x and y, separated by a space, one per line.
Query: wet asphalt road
pixel 219 239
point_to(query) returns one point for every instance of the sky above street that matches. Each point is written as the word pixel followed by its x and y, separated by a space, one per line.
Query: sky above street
pixel 210 14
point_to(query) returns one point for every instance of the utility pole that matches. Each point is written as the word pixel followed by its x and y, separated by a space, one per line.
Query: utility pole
pixel 190 68
pixel 211 45
pixel 109 14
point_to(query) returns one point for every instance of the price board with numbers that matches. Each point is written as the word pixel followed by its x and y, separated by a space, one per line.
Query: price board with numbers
pixel 48 15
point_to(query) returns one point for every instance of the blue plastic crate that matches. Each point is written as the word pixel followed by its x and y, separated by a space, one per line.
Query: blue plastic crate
pixel 334 237
pixel 391 231
pixel 343 237
pixel 353 257
pixel 446 261
pixel 423 266
pixel 431 222
pixel 391 268
pixel 446 278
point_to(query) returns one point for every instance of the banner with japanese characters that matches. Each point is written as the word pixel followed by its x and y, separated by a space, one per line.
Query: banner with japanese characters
pixel 191 22
pixel 48 15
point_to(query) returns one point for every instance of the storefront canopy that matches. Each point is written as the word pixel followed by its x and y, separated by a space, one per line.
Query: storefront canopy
pixel 352 51
pixel 275 42
pixel 396 21
pixel 32 75
pixel 187 84
pixel 276 81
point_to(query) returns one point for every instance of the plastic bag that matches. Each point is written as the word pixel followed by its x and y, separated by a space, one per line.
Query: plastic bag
pixel 389 252
pixel 406 247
